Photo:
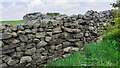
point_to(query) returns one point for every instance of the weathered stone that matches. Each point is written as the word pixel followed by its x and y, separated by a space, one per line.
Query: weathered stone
pixel 49 33
pixel 34 30
pixel 41 43
pixel 3 65
pixel 12 41
pixel 17 54
pixel 36 41
pixel 25 59
pixel 5 35
pixel 56 41
pixel 40 35
pixel 44 23
pixel 86 34
pixel 23 38
pixel 21 32
pixel 59 46
pixel 67 49
pixel 47 38
pixel 66 55
pixel 6 58
pixel 40 50
pixel 79 43
pixel 30 51
pixel 91 28
pixel 75 49
pixel 12 62
pixel 71 30
pixel 40 30
pixel 28 31
pixel 57 30
pixel 53 47
pixel 20 27
pixel 36 56
pixel 14 34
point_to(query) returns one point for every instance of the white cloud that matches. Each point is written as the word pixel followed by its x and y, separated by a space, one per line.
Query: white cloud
pixel 33 4
pixel 14 11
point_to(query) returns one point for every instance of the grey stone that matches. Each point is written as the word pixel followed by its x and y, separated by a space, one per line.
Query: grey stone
pixel 5 35
pixel 28 31
pixel 71 30
pixel 23 38
pixel 13 41
pixel 40 50
pixel 59 47
pixel 25 59
pixel 41 43
pixel 17 55
pixel 14 34
pixel 67 49
pixel 3 65
pixel 34 30
pixel 91 28
pixel 36 56
pixel 30 36
pixel 49 33
pixel 66 55
pixel 47 38
pixel 21 32
pixel 36 40
pixel 40 35
pixel 75 49
pixel 12 62
pixel 57 30
pixel 30 51
pixel 6 58
pixel 20 27
pixel 79 43
pixel 86 34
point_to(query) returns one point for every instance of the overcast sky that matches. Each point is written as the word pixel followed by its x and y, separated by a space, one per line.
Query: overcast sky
pixel 16 9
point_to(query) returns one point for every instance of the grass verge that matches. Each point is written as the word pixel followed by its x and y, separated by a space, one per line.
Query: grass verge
pixel 12 22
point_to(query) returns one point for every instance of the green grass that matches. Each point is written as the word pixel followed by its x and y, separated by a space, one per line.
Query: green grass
pixel 12 22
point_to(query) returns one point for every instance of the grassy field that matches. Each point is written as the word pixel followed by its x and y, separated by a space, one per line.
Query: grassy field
pixel 12 22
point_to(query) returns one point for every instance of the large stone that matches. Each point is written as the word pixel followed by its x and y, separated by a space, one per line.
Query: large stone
pixel 25 59
pixel 71 30
pixel 36 56
pixel 75 49
pixel 40 35
pixel 14 34
pixel 12 41
pixel 56 41
pixel 28 31
pixel 47 38
pixel 41 43
pixel 67 49
pixel 20 27
pixel 5 35
pixel 12 62
pixel 30 51
pixel 21 32
pixel 6 58
pixel 57 30
pixel 23 38
pixel 58 47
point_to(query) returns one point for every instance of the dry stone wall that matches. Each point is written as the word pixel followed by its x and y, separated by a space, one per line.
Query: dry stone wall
pixel 46 40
